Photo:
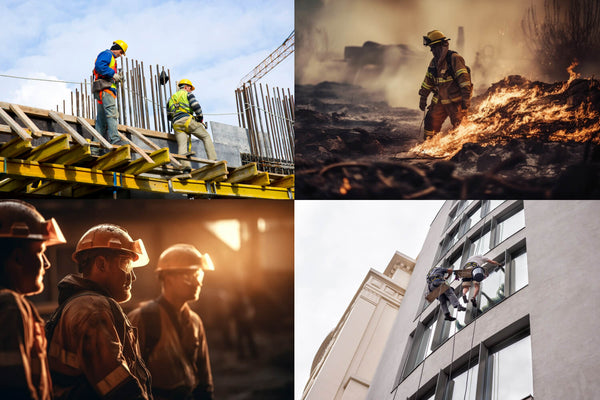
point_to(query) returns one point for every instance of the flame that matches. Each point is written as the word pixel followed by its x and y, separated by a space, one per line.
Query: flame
pixel 520 110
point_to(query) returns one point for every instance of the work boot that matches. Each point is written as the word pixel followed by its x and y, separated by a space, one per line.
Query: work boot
pixel 474 302
pixel 460 308
pixel 465 298
pixel 449 317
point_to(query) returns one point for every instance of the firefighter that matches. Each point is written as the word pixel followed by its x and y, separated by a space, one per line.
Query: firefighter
pixel 450 81
pixel 172 336
pixel 104 88
pixel 475 263
pixel 93 351
pixel 24 237
pixel 181 109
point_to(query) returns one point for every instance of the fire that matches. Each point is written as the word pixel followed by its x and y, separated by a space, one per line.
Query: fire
pixel 519 109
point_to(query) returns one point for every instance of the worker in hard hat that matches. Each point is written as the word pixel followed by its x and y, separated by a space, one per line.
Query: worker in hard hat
pixel 435 278
pixel 24 237
pixel 450 81
pixel 475 264
pixel 172 336
pixel 94 351
pixel 104 88
pixel 181 109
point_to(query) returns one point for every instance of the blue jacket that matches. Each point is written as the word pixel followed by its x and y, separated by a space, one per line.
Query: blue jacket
pixel 102 66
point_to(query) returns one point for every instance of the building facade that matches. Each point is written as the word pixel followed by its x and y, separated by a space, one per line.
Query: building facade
pixel 534 330
pixel 346 361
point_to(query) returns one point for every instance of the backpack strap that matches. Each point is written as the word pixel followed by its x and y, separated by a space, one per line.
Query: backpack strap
pixel 150 315
pixel 449 63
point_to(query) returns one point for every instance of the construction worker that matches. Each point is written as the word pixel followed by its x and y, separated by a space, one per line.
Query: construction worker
pixel 181 108
pixel 24 237
pixel 479 273
pixel 172 336
pixel 435 278
pixel 105 90
pixel 93 349
pixel 450 81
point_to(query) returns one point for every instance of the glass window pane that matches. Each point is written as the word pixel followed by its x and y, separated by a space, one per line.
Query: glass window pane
pixel 492 290
pixel 480 245
pixel 519 266
pixel 495 203
pixel 510 226
pixel 472 219
pixel 510 372
pixel 461 385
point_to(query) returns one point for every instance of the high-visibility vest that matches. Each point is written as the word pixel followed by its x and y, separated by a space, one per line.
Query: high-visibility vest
pixel 112 65
pixel 179 103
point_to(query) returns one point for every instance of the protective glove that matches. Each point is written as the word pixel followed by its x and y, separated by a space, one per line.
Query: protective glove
pixel 199 118
pixel 465 104
pixel 423 103
pixel 118 77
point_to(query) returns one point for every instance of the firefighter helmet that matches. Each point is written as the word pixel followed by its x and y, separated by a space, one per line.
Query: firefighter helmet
pixel 186 82
pixel 183 257
pixel 122 45
pixel 434 37
pixel 112 237
pixel 21 220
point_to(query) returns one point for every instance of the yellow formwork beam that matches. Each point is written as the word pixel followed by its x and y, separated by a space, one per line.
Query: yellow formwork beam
pixel 139 166
pixel 243 173
pixel 50 150
pixel 261 179
pixel 287 181
pixel 23 169
pixel 15 147
pixel 115 158
pixel 215 172
pixel 75 154
pixel 48 188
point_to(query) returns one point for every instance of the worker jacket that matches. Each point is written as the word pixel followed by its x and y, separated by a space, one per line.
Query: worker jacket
pixel 94 352
pixel 447 88
pixel 179 361
pixel 183 105
pixel 24 372
pixel 105 67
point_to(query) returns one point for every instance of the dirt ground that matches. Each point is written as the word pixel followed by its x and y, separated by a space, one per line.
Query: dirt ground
pixel 351 144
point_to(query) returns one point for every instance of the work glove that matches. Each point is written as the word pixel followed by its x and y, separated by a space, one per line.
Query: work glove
pixel 199 118
pixel 465 104
pixel 423 103
pixel 118 77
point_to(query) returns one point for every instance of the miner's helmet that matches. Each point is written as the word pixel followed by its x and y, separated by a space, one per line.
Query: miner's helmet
pixel 112 237
pixel 21 220
pixel 434 37
pixel 183 257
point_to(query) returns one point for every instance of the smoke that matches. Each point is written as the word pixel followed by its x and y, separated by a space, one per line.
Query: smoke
pixel 494 44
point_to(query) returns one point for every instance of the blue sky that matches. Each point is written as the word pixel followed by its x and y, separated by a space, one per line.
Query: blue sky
pixel 212 43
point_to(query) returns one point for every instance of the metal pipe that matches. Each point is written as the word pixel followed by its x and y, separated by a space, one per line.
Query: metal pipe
pixel 77 101
pixel 123 114
pixel 153 100
pixel 129 93
pixel 272 132
pixel 72 103
pixel 166 100
pixel 260 124
pixel 145 96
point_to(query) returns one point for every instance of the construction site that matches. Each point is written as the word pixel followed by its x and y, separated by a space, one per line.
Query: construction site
pixel 59 152
pixel 531 131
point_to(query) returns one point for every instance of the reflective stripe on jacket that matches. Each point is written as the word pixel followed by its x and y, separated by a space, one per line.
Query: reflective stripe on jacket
pixel 24 371
pixel 87 356
pixel 445 87
pixel 105 67
pixel 183 105
pixel 179 362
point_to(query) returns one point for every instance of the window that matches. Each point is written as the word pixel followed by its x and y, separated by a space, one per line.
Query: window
pixel 508 372
pixel 480 244
pixel 493 204
pixel 509 226
pixel 492 289
pixel 473 217
pixel 421 346
pixel 518 268
pixel 463 386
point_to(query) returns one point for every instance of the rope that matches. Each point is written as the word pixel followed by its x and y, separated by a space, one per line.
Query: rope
pixel 38 79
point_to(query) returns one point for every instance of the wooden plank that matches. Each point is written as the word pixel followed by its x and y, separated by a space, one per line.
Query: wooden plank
pixel 211 173
pixel 261 179
pixel 90 129
pixel 153 145
pixel 35 131
pixel 136 148
pixel 63 124
pixel 116 158
pixel 139 166
pixel 243 173
pixel 75 154
pixel 16 128
pixel 15 147
pixel 50 150
pixel 437 292
pixel 284 182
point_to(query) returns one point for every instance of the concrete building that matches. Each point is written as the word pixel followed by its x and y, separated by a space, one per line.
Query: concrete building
pixel 534 332
pixel 346 361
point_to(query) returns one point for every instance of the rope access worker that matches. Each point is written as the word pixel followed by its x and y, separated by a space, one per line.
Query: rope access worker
pixel 450 81
pixel 181 109
pixel 94 351
pixel 172 336
pixel 435 278
pixel 475 264
pixel 105 90
pixel 24 237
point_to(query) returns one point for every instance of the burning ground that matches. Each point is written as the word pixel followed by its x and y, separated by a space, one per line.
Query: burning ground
pixel 522 139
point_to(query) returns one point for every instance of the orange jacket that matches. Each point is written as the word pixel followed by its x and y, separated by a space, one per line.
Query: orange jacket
pixel 24 372
pixel 445 87
pixel 179 362
pixel 94 352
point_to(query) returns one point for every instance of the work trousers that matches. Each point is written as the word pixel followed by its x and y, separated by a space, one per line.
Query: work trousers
pixel 448 295
pixel 437 114
pixel 193 128
pixel 106 119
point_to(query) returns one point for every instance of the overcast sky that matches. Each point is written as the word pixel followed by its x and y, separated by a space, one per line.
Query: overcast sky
pixel 336 242
pixel 212 43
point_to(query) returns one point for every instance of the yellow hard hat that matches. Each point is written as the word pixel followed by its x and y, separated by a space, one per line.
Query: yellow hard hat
pixel 112 237
pixel 186 82
pixel 183 257
pixel 122 45
pixel 20 220
pixel 433 37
